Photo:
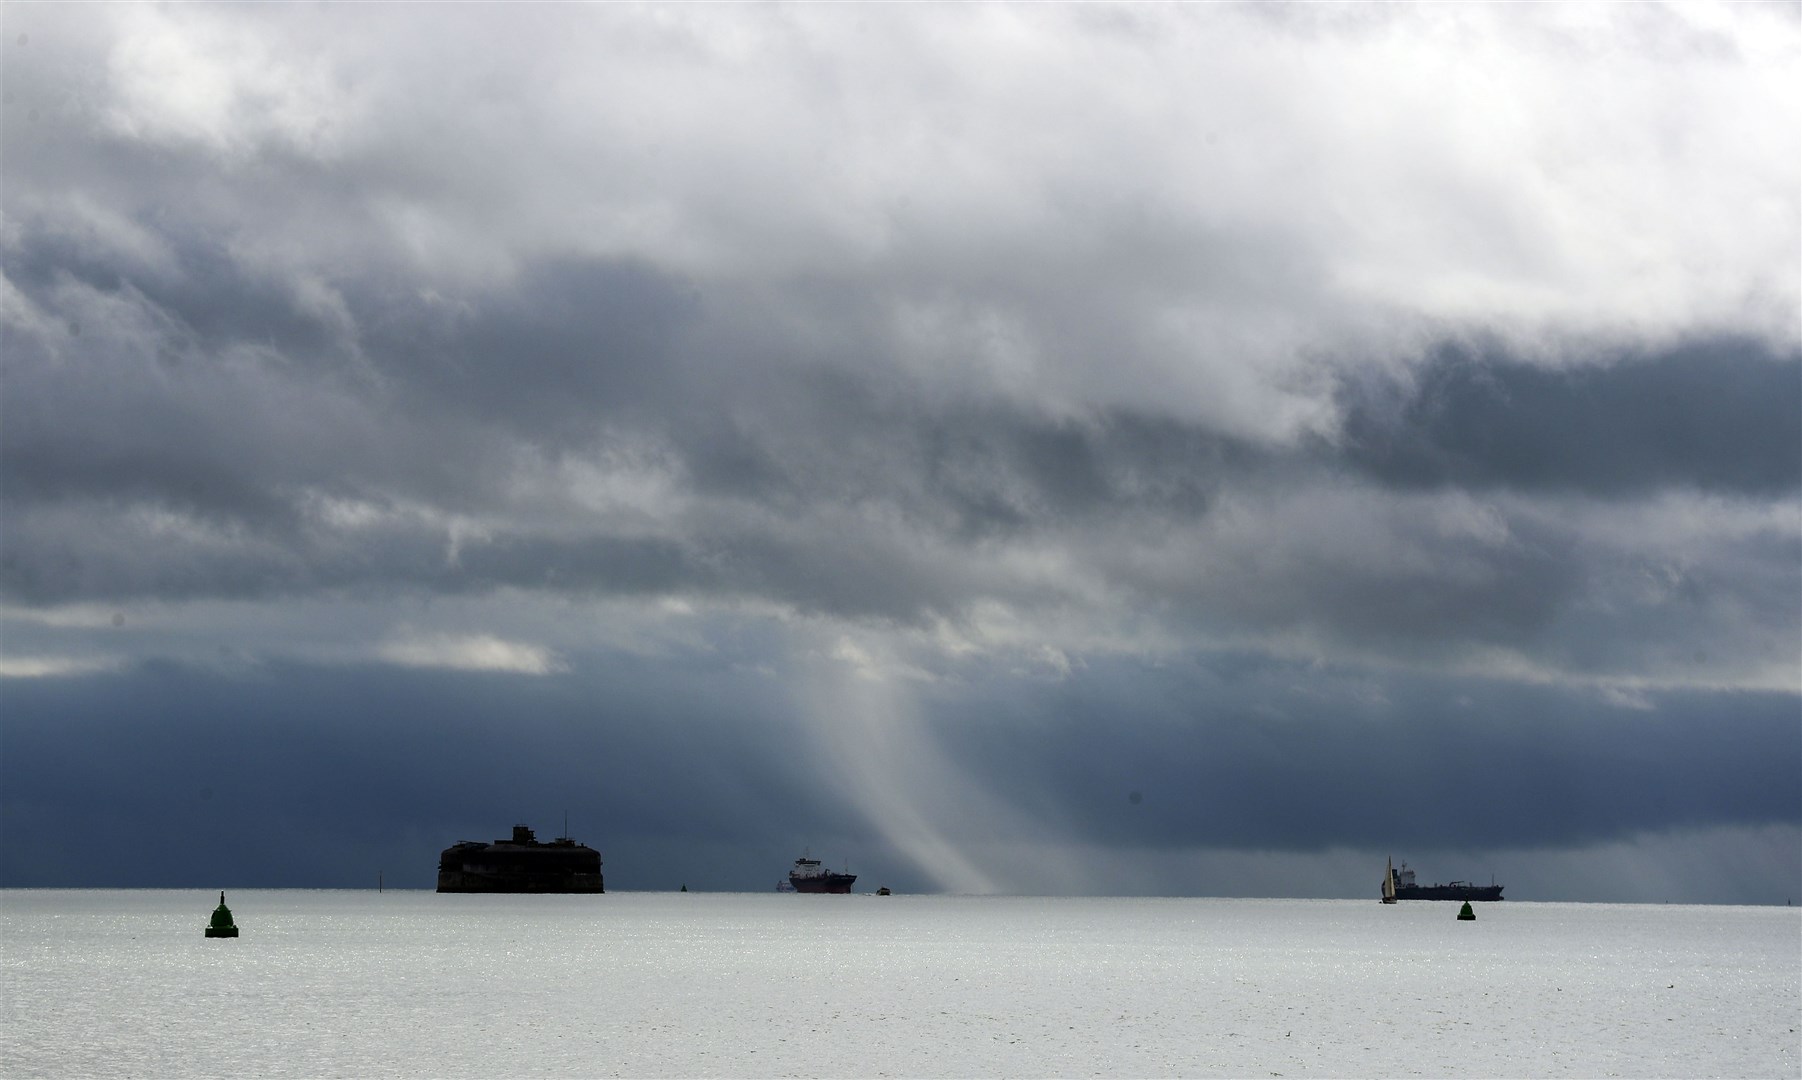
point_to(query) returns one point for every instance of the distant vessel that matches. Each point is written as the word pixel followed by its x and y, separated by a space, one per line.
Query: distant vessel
pixel 520 865
pixel 810 877
pixel 1399 885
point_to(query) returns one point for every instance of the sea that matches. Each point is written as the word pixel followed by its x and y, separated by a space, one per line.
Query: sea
pixel 412 984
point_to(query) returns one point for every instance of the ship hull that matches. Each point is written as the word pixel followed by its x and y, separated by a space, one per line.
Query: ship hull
pixel 823 883
pixel 461 882
pixel 1454 891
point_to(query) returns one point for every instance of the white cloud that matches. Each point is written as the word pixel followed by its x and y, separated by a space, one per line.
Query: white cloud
pixel 1215 191
pixel 478 652
pixel 229 85
pixel 52 667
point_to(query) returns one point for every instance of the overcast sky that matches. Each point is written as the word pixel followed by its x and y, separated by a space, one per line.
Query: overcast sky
pixel 1197 449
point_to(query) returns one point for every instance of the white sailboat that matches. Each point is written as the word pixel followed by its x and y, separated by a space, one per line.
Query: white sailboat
pixel 1389 882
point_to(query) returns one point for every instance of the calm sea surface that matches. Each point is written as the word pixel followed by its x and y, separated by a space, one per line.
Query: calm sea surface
pixel 122 983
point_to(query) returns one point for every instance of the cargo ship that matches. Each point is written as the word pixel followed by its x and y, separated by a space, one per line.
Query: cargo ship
pixel 521 864
pixel 1400 885
pixel 810 877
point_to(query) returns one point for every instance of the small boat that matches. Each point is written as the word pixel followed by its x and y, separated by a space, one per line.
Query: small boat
pixel 1389 882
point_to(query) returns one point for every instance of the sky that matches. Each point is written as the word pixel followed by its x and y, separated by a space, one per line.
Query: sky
pixel 1054 449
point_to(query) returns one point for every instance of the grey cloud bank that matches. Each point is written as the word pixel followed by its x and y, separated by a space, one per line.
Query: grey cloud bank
pixel 909 431
pixel 689 774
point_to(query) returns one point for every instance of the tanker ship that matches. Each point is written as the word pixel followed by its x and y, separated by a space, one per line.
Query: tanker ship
pixel 1399 885
pixel 810 877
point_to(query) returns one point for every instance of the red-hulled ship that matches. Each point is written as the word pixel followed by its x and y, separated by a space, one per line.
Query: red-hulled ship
pixel 809 876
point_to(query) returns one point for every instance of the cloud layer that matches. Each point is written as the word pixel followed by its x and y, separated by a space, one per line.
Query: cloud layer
pixel 932 358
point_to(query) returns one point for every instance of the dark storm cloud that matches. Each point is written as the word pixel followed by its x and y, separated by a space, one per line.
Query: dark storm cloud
pixel 209 298
pixel 687 770
pixel 434 459
pixel 208 394
pixel 1722 415
pixel 295 777
pixel 441 395
pixel 839 492
pixel 200 350
pixel 1238 752
pixel 138 396
pixel 567 348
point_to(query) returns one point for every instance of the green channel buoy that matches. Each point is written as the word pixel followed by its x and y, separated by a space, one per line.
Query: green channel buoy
pixel 1466 914
pixel 222 921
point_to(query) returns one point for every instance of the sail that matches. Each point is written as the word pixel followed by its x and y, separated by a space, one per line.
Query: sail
pixel 1389 882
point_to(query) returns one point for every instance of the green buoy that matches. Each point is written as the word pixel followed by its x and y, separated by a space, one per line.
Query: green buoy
pixel 1466 913
pixel 222 921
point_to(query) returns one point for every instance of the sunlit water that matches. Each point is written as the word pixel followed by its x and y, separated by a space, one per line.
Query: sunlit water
pixel 122 983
